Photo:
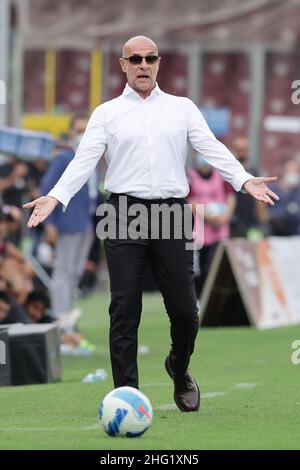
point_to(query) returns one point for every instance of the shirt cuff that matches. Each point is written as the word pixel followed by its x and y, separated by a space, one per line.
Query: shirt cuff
pixel 241 179
pixel 61 195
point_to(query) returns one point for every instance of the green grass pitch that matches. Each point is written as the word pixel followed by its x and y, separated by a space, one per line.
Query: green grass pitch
pixel 250 391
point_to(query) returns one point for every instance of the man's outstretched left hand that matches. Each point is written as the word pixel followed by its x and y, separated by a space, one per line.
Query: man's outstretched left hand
pixel 258 188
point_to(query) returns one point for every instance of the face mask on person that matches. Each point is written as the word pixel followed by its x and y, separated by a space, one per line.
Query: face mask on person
pixel 292 179
pixel 76 141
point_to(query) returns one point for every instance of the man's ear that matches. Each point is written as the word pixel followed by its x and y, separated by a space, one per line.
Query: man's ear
pixel 122 64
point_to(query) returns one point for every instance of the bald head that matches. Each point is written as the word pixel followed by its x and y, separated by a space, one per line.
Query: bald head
pixel 136 43
pixel 141 72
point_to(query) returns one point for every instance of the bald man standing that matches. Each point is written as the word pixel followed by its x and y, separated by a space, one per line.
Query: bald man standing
pixel 145 133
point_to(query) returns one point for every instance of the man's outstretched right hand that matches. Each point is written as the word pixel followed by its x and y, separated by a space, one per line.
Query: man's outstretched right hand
pixel 42 208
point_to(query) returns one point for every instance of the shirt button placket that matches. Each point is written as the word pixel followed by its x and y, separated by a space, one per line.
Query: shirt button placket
pixel 150 149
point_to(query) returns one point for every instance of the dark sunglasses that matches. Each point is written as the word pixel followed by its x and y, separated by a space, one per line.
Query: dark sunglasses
pixel 137 59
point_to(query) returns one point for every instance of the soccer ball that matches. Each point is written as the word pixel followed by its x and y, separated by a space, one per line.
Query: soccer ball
pixel 125 412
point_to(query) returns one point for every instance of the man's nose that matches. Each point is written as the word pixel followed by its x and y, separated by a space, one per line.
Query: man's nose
pixel 143 63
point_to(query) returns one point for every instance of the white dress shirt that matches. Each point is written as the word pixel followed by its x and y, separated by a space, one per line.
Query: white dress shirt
pixel 146 143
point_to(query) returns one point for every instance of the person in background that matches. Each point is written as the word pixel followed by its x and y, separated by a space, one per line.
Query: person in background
pixel 89 279
pixel 13 175
pixel 285 217
pixel 12 181
pixel 36 305
pixel 14 267
pixel 36 308
pixel 14 220
pixel 69 231
pixel 250 217
pixel 36 170
pixel 217 202
pixel 10 312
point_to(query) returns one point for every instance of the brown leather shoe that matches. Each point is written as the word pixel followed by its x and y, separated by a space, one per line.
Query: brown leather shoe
pixel 186 390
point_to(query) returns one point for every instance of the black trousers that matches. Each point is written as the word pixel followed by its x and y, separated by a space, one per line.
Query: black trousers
pixel 172 267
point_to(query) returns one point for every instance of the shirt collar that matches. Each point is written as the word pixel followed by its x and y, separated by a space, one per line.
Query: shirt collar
pixel 129 91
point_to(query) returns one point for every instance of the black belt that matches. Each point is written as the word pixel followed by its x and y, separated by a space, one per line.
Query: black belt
pixel 149 201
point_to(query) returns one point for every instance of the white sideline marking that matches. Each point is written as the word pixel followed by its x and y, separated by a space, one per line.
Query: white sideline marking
pixel 172 406
pixel 157 384
pixel 244 386
pixel 209 395
pixel 5 430
pixel 96 426
pixel 168 406
pixel 213 394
